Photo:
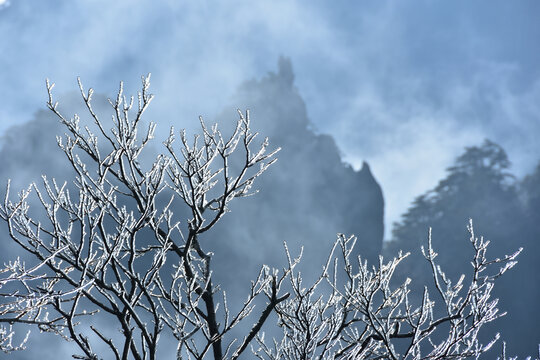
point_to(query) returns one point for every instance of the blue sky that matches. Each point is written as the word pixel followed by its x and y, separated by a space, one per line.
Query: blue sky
pixel 403 85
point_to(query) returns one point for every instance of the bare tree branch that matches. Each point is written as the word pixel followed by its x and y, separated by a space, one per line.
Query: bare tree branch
pixel 109 246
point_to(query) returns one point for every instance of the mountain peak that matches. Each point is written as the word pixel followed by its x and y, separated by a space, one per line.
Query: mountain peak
pixel 285 70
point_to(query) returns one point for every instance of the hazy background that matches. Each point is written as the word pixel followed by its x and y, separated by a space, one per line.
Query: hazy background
pixel 404 86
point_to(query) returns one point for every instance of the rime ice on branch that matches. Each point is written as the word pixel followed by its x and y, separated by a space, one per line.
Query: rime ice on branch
pixel 109 245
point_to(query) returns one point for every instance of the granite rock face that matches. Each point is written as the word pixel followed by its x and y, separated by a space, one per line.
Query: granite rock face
pixel 309 195
pixel 306 198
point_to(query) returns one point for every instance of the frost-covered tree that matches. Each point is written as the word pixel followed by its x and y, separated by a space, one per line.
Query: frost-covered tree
pixel 110 246
pixel 479 185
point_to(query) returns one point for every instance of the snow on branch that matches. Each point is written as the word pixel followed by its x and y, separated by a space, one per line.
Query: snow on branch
pixel 111 244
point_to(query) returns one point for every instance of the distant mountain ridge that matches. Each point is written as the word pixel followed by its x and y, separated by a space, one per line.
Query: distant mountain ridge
pixel 310 194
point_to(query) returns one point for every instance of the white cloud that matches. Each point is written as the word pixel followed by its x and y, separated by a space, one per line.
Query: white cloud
pixel 399 85
pixel 408 145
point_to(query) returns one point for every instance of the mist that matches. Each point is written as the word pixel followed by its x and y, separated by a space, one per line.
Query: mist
pixel 381 96
pixel 399 85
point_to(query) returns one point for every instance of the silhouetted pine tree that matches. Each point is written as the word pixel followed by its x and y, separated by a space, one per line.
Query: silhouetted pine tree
pixel 479 186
